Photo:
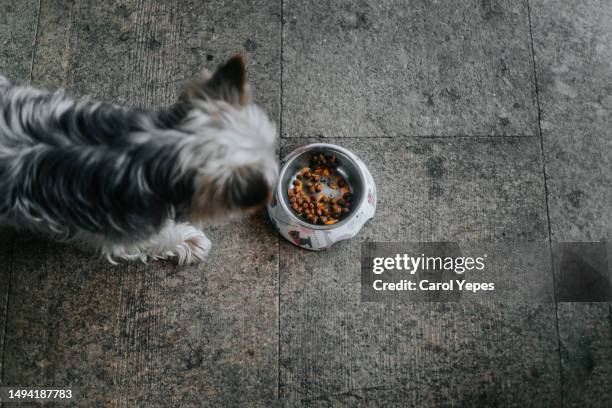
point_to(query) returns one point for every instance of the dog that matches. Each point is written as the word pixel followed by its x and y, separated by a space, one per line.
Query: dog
pixel 135 184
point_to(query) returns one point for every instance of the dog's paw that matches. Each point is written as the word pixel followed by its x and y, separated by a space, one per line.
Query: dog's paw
pixel 182 243
pixel 192 247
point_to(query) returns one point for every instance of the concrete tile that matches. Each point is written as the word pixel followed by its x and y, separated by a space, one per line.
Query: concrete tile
pixel 17 30
pixel 142 53
pixel 586 353
pixel 574 78
pixel 337 351
pixel 6 253
pixel 574 71
pixel 574 67
pixel 138 335
pixel 388 68
pixel 151 335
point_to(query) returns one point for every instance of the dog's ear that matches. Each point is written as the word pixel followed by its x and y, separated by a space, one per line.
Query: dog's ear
pixel 229 83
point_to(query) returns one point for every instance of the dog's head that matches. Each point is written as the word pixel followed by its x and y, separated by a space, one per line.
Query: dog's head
pixel 236 152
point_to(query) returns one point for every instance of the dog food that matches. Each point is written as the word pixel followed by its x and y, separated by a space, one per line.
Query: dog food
pixel 320 194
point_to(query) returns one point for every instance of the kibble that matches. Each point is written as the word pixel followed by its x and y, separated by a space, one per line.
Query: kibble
pixel 308 197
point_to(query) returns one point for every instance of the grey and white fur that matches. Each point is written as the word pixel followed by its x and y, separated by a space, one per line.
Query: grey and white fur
pixel 135 183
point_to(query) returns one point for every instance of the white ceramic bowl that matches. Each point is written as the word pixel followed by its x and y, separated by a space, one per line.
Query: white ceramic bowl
pixel 317 237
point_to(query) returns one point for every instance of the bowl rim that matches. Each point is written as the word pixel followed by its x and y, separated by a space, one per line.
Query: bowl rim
pixel 323 146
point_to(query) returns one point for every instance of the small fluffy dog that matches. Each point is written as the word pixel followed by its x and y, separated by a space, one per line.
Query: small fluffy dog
pixel 135 183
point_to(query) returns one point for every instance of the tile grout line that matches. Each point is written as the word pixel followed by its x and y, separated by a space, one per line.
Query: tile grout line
pixel 610 319
pixel 278 265
pixel 34 43
pixel 543 155
pixel 406 137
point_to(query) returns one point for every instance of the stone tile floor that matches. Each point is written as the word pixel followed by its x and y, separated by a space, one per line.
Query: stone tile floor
pixel 479 119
